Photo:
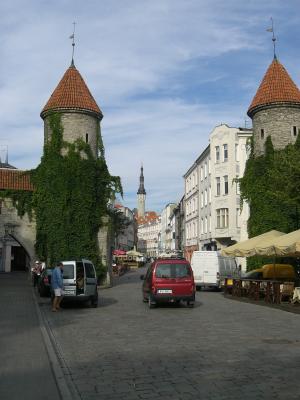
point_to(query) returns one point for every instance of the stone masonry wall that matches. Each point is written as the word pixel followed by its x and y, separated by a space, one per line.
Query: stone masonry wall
pixel 77 125
pixel 23 230
pixel 277 122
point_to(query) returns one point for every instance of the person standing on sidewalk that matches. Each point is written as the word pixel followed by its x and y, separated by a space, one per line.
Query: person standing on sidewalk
pixel 57 286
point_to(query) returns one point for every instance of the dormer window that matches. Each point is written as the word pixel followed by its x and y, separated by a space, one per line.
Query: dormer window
pixel 262 133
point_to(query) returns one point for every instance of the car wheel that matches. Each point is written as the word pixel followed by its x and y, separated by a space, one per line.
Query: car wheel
pixel 151 304
pixel 190 304
pixel 94 301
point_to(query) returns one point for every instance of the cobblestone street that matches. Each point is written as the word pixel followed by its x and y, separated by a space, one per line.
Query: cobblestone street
pixel 221 349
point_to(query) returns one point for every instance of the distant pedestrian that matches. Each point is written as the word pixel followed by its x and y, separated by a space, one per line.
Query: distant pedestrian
pixel 57 286
pixel 36 272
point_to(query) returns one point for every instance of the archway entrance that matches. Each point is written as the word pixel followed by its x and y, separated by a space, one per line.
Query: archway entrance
pixel 19 258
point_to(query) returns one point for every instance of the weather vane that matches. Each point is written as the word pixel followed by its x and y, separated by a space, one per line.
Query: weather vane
pixel 273 37
pixel 73 43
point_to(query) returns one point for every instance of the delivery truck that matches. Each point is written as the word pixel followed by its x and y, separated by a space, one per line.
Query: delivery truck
pixel 211 269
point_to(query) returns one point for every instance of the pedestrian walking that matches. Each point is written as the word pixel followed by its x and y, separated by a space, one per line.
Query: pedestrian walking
pixel 57 286
pixel 36 272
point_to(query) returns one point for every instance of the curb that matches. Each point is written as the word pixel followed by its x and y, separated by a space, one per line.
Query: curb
pixel 61 372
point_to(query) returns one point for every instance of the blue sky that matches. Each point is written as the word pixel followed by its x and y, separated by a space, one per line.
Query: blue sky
pixel 164 73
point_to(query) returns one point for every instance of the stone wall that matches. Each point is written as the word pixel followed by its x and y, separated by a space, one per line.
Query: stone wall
pixel 15 230
pixel 277 121
pixel 76 125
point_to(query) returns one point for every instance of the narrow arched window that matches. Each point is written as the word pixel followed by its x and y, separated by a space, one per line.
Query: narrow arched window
pixel 86 138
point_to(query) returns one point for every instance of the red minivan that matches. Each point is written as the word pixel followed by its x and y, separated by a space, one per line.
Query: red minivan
pixel 169 280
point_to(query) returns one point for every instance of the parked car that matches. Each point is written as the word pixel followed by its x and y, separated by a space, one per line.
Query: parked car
pixel 211 269
pixel 44 283
pixel 169 280
pixel 80 281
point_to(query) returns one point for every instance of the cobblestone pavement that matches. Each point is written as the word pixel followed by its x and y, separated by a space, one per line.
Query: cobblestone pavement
pixel 25 369
pixel 222 349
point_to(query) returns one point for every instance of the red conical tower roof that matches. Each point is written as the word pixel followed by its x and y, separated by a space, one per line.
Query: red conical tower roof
pixel 72 93
pixel 276 87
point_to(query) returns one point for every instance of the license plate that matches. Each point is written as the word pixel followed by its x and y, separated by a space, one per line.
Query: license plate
pixel 168 291
pixel 70 292
pixel 229 282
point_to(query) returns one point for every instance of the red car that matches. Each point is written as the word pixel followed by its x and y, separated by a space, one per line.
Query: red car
pixel 169 280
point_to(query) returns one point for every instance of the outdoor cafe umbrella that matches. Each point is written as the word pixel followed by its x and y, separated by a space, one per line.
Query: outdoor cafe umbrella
pixel 287 245
pixel 247 248
pixel 134 253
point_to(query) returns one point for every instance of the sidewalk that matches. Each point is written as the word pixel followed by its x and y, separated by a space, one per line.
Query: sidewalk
pixel 25 368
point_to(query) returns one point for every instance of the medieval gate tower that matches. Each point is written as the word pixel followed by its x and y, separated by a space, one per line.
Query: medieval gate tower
pixel 275 109
pixel 80 114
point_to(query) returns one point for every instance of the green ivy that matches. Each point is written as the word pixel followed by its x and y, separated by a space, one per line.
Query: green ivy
pixel 71 196
pixel 21 199
pixel 270 185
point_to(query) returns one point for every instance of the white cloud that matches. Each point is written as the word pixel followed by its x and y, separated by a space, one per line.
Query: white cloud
pixel 158 69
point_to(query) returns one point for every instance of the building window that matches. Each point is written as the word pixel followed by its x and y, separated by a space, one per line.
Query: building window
pixel 205 225
pixel 237 185
pixel 202 227
pixel 209 194
pixel 218 186
pixel 205 170
pixel 86 138
pixel 209 223
pixel 226 184
pixel 202 200
pixel 217 154
pixel 209 166
pixel 236 152
pixel 222 218
pixel 262 133
pixel 238 218
pixel 205 197
pixel 295 131
pixel 225 152
pixel 201 173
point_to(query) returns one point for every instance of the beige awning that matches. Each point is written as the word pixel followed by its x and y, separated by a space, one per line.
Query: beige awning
pixel 248 248
pixel 286 245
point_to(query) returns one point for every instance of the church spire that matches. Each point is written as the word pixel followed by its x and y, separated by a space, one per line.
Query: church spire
pixel 141 187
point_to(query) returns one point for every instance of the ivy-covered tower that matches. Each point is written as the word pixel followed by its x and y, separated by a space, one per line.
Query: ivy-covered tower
pixel 141 196
pixel 80 114
pixel 275 109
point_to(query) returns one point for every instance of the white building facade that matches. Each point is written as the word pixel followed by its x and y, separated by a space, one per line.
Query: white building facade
pixel 125 240
pixel 217 221
pixel 164 242
pixel 149 237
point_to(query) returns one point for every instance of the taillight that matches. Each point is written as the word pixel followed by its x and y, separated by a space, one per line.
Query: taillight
pixel 218 275
pixel 153 289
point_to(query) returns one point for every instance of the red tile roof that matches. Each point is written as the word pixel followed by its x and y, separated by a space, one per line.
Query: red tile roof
pixel 150 216
pixel 72 93
pixel 276 87
pixel 15 180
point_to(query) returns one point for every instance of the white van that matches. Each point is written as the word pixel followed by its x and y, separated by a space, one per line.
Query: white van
pixel 80 281
pixel 210 269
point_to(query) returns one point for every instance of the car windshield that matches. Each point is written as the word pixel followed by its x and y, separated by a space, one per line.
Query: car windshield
pixel 172 271
pixel 68 271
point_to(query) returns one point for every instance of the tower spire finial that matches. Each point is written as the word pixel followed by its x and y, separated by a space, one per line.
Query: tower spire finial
pixel 273 37
pixel 73 44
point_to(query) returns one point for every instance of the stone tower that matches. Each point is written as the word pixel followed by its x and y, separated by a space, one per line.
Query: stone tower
pixel 141 196
pixel 80 114
pixel 275 109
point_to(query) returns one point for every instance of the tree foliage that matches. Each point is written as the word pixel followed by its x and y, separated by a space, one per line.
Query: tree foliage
pixel 72 191
pixel 270 185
